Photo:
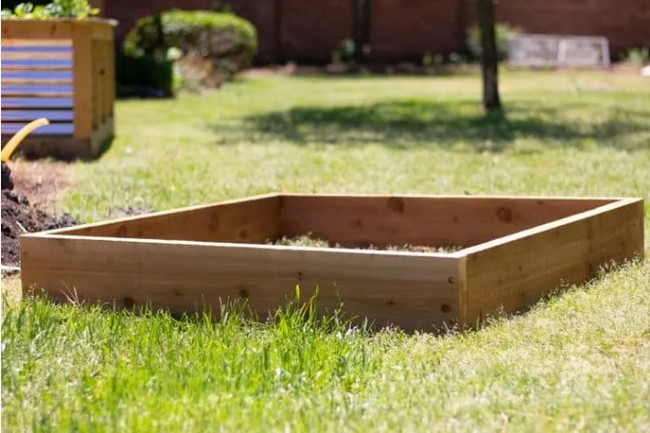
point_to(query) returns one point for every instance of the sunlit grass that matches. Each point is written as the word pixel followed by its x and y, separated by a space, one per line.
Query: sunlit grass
pixel 377 135
pixel 136 371
pixel 578 361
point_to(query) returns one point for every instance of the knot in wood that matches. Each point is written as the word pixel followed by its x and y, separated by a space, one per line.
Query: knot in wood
pixel 504 214
pixel 396 204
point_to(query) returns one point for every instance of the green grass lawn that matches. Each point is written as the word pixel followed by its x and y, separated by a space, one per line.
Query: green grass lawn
pixel 578 361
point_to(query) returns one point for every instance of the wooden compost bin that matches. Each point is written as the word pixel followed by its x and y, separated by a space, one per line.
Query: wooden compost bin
pixel 63 70
pixel 515 251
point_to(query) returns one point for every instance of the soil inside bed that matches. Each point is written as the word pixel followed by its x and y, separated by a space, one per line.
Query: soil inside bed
pixel 308 240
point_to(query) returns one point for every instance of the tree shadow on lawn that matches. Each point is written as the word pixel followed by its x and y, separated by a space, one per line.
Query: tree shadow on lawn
pixel 451 124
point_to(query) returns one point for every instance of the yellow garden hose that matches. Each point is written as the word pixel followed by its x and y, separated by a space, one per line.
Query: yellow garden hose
pixel 13 143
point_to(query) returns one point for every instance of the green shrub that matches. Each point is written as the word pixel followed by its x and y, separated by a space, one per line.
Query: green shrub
pixel 55 9
pixel 638 56
pixel 143 76
pixel 227 41
pixel 503 32
pixel 344 52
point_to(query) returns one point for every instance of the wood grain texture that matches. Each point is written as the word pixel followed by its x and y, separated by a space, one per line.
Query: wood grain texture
pixel 103 76
pixel 24 103
pixel 34 63
pixel 250 220
pixel 110 79
pixel 510 273
pixel 36 55
pixel 103 29
pixel 101 136
pixel 33 42
pixel 52 30
pixel 66 148
pixel 438 221
pixel 23 78
pixel 29 115
pixel 97 94
pixel 83 86
pixel 187 258
pixel 65 129
pixel 36 29
pixel 408 290
pixel 37 90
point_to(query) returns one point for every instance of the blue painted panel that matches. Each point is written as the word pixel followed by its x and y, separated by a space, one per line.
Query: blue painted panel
pixel 37 49
pixel 38 75
pixel 36 88
pixel 29 115
pixel 37 102
pixel 37 63
pixel 56 128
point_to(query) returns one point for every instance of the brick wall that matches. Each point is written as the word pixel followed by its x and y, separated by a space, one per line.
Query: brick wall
pixel 626 23
pixel 309 30
pixel 410 28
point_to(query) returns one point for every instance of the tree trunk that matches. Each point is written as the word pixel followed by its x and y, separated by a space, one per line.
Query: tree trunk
pixel 489 58
pixel 360 29
pixel 160 50
pixel 277 50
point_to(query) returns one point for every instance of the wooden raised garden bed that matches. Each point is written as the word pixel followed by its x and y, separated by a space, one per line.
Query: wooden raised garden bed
pixel 515 250
pixel 63 70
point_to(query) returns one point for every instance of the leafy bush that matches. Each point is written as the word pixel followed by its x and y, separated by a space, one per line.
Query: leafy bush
pixel 502 31
pixel 638 56
pixel 225 40
pixel 344 52
pixel 56 9
pixel 429 59
pixel 143 76
pixel 458 58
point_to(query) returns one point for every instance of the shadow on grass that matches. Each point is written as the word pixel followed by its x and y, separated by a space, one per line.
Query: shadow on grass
pixel 453 124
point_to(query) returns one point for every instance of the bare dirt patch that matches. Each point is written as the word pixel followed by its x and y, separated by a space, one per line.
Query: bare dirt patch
pixel 41 181
pixel 19 216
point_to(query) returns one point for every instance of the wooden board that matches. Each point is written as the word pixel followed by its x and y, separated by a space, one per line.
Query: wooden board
pixel 10 128
pixel 45 90
pixel 398 220
pixel 61 144
pixel 29 115
pixel 36 29
pixel 510 273
pixel 37 42
pixel 101 137
pixel 82 72
pixel 388 289
pixel 251 220
pixel 55 29
pixel 43 77
pixel 203 255
pixel 35 55
pixel 37 102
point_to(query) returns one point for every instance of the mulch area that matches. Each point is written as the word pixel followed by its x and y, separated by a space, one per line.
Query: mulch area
pixel 41 181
